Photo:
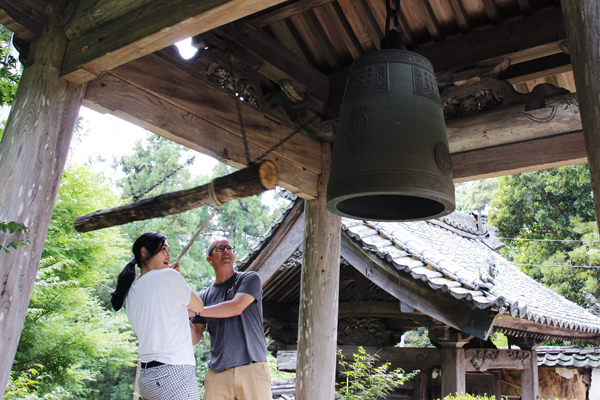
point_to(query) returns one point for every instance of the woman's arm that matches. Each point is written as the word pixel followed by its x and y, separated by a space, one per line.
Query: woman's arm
pixel 195 304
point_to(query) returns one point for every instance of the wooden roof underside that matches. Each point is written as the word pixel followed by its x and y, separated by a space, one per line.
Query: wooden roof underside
pixel 292 59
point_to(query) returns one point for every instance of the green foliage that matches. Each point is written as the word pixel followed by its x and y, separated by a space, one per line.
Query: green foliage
pixel 417 338
pixel 67 330
pixel 555 205
pixel 366 380
pixel 468 397
pixel 24 385
pixel 476 195
pixel 499 339
pixel 13 227
pixel 9 73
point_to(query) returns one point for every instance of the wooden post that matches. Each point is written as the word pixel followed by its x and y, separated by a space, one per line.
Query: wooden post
pixel 33 153
pixel 453 371
pixel 317 326
pixel 530 387
pixel 582 20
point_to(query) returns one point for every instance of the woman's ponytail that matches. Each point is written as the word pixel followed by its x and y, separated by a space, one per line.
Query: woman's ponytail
pixel 124 282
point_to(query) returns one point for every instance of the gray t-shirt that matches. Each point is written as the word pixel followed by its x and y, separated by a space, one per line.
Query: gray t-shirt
pixel 237 340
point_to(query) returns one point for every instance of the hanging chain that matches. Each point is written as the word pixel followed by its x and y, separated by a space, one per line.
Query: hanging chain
pixel 237 104
pixel 392 39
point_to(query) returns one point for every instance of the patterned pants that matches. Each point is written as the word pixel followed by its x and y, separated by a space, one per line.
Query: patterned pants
pixel 169 382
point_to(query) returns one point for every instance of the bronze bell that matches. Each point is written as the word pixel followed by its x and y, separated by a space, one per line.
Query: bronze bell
pixel 391 160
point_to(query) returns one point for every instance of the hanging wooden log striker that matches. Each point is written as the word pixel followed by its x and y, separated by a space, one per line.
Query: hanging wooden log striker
pixel 391 160
pixel 249 181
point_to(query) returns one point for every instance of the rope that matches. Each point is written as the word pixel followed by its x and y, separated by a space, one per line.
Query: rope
pixel 237 105
pixel 187 247
pixel 213 195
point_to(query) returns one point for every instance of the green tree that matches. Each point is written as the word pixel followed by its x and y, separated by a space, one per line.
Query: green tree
pixel 367 378
pixel 68 334
pixel 552 212
pixel 475 195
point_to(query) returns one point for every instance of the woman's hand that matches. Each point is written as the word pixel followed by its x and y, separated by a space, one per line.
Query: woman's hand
pixel 176 266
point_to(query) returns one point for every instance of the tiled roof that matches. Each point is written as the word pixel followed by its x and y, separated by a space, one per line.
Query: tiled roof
pixel 457 255
pixel 453 254
pixel 568 356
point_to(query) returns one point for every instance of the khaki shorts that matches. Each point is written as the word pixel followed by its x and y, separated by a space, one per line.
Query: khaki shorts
pixel 246 382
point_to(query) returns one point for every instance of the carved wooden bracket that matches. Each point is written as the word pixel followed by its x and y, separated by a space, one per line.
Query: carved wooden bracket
pixel 490 93
pixel 484 359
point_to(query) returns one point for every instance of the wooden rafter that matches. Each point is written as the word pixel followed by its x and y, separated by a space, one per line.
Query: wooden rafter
pixel 529 34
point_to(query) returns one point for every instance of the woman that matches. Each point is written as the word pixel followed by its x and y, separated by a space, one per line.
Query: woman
pixel 157 307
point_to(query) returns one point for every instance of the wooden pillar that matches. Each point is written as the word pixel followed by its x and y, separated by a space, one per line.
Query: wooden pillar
pixel 453 371
pixel 530 387
pixel 33 153
pixel 317 326
pixel 582 20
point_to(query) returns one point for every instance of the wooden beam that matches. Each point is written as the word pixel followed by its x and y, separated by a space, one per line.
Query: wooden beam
pixel 33 154
pixel 375 309
pixel 25 19
pixel 583 20
pixel 505 321
pixel 281 13
pixel 513 124
pixel 460 15
pixel 281 245
pixel 317 325
pixel 280 62
pixel 453 371
pixel 173 121
pixel 417 294
pixel 514 158
pixel 185 89
pixel 530 385
pixel 536 69
pixel 413 356
pixel 152 26
pixel 479 360
pixel 518 40
pixel 246 182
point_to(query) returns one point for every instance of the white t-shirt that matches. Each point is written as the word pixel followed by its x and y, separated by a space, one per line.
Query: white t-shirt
pixel 156 306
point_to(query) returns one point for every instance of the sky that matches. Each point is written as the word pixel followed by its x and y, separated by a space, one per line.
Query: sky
pixel 111 137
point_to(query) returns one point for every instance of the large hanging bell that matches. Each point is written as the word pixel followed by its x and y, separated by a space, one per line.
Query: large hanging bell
pixel 391 160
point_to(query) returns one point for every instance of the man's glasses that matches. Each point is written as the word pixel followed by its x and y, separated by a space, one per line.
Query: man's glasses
pixel 220 249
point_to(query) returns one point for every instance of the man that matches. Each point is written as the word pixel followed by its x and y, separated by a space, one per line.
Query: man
pixel 233 313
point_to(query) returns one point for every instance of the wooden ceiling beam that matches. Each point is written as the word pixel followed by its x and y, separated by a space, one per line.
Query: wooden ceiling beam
pixel 460 15
pixel 539 68
pixel 279 14
pixel 373 309
pixel 280 62
pixel 514 124
pixel 514 39
pixel 195 126
pixel 514 158
pixel 26 20
pixel 491 9
pixel 153 25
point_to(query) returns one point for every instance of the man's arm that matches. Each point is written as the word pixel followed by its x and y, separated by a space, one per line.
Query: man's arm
pixel 229 308
pixel 197 331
